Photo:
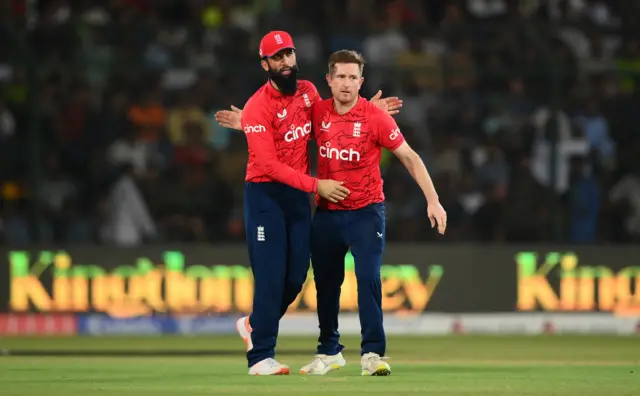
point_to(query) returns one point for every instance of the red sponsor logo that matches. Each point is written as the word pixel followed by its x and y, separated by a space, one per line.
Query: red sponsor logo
pixel 37 324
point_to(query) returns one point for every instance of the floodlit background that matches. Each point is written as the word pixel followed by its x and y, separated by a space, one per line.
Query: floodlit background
pixel 88 87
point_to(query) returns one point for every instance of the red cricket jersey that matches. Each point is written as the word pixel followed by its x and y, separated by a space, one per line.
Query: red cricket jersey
pixel 278 129
pixel 350 147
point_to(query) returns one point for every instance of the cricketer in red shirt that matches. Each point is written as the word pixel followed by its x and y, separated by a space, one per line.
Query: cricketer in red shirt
pixel 277 124
pixel 351 133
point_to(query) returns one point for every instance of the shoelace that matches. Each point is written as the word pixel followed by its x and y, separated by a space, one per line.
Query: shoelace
pixel 271 362
pixel 318 358
pixel 375 358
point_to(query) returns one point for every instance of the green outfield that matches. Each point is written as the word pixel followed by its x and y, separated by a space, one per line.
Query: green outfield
pixel 452 365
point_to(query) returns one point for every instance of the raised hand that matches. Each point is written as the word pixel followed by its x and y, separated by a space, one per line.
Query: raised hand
pixel 391 105
pixel 230 118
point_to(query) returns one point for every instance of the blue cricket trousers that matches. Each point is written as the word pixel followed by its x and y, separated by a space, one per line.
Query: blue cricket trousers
pixel 333 233
pixel 278 226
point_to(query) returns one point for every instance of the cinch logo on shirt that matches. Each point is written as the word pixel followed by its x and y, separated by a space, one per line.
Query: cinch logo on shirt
pixel 327 151
pixel 296 133
pixel 254 129
pixel 394 134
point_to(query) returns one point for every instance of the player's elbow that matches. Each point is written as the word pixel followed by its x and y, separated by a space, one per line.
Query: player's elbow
pixel 413 162
pixel 274 172
pixel 269 169
pixel 413 157
pixel 408 156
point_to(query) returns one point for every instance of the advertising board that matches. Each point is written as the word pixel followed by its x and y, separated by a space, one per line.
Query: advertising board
pixel 416 278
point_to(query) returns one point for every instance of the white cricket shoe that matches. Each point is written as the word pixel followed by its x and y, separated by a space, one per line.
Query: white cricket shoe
pixel 269 366
pixel 374 365
pixel 244 330
pixel 323 364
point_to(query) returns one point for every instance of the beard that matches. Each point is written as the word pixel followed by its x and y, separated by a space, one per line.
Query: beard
pixel 288 85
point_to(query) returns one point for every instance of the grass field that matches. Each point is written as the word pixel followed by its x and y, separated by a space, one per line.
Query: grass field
pixel 453 365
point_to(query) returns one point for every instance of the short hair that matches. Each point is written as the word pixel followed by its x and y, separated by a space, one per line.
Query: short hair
pixel 345 56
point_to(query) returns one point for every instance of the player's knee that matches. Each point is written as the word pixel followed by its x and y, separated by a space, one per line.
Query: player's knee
pixel 294 287
pixel 367 278
pixel 324 279
pixel 324 283
pixel 297 277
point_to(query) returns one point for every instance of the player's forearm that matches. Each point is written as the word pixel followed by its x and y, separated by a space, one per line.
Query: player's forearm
pixel 291 177
pixel 264 155
pixel 420 174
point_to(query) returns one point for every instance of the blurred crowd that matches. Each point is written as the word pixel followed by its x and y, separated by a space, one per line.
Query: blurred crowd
pixel 525 113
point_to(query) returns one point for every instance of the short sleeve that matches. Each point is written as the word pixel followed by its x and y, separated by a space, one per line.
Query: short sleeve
pixel 389 135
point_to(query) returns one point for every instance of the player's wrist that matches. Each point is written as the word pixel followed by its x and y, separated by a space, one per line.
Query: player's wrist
pixel 432 199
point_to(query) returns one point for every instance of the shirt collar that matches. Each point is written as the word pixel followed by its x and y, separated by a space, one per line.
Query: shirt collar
pixel 359 103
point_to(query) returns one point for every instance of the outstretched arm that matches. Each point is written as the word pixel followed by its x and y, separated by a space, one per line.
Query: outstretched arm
pixel 232 118
pixel 262 149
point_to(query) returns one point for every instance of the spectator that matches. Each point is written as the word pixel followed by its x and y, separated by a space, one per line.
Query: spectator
pixel 386 43
pixel 130 149
pixel 149 116
pixel 186 112
pixel 596 131
pixel 584 203
pixel 423 67
pixel 566 147
pixel 127 220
